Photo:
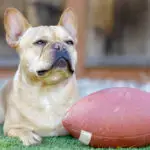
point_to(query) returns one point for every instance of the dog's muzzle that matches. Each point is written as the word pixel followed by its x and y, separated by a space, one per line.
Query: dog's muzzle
pixel 61 60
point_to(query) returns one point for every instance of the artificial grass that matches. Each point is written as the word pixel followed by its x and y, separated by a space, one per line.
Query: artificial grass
pixel 51 143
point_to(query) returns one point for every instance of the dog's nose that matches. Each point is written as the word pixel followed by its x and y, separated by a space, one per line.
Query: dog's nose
pixel 58 46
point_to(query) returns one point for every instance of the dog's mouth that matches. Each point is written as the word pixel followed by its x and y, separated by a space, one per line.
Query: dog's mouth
pixel 60 63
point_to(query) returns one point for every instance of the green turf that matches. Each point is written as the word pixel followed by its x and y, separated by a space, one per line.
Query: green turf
pixel 49 143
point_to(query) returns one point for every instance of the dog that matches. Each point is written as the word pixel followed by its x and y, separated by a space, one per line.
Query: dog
pixel 44 87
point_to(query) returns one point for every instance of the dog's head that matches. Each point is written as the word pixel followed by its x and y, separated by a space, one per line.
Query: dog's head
pixel 47 53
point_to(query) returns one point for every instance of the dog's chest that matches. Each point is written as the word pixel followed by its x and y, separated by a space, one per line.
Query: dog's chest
pixel 44 109
pixel 47 110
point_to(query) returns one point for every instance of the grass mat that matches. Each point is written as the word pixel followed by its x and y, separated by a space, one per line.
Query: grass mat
pixel 51 143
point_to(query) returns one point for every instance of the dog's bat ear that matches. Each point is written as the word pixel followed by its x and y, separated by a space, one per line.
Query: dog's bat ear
pixel 69 22
pixel 15 25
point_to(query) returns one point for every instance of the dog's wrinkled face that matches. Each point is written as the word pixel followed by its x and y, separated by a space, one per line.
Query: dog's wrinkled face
pixel 47 53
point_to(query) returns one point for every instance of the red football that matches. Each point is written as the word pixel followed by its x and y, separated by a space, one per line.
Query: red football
pixel 115 117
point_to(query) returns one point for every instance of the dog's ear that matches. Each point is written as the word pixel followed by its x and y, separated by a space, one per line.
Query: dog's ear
pixel 15 25
pixel 69 22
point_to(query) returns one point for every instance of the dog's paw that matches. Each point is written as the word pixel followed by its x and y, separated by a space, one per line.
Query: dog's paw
pixel 27 137
pixel 30 138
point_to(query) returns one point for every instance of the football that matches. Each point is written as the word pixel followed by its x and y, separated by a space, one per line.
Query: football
pixel 115 117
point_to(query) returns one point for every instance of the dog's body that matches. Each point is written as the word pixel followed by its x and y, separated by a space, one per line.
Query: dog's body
pixel 36 108
pixel 34 103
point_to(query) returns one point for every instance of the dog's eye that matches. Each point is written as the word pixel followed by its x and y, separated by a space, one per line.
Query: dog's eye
pixel 40 42
pixel 69 42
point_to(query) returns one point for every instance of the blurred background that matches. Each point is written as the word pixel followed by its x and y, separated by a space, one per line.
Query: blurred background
pixel 113 36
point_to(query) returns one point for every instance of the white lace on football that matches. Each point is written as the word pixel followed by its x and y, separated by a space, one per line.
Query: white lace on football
pixel 85 137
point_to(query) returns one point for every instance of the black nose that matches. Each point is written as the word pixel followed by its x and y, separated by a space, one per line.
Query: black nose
pixel 62 54
pixel 58 46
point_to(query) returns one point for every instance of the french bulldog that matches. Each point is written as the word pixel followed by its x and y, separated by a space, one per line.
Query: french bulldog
pixel 34 103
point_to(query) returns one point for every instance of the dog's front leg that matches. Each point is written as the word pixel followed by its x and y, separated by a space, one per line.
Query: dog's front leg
pixel 26 136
